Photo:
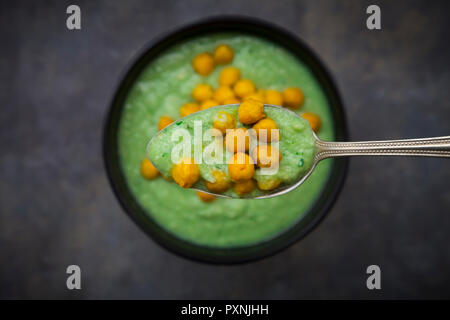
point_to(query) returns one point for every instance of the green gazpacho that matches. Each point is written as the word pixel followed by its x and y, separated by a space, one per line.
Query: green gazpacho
pixel 209 71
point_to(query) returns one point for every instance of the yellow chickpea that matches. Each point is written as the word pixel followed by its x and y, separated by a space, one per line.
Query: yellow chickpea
pixel 223 121
pixel 266 156
pixel 222 94
pixel 293 98
pixel 203 63
pixel 164 121
pixel 241 167
pixel 188 108
pixel 148 170
pixel 273 97
pixel 208 104
pixel 268 184
pixel 314 120
pixel 202 92
pixel 229 76
pixel 250 111
pixel 244 88
pixel 206 197
pixel 222 182
pixel 244 187
pixel 232 101
pixel 186 173
pixel 255 96
pixel 237 140
pixel 223 54
pixel 268 125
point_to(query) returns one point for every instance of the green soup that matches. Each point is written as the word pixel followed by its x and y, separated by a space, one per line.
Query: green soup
pixel 165 85
pixel 296 145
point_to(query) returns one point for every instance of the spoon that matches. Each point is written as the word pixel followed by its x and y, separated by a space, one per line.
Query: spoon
pixel 423 147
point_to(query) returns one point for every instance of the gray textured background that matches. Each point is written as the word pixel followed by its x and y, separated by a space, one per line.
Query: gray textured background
pixel 57 208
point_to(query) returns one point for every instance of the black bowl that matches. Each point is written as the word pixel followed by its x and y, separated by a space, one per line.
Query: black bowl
pixel 168 240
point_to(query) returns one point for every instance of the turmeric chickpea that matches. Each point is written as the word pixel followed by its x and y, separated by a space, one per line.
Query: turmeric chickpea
pixel 208 104
pixel 223 121
pixel 241 167
pixel 203 63
pixel 222 182
pixel 251 111
pixel 229 76
pixel 237 140
pixel 222 94
pixel 244 187
pixel 255 96
pixel 188 108
pixel 148 170
pixel 267 185
pixel 273 97
pixel 266 156
pixel 243 88
pixel 232 101
pixel 223 54
pixel 202 92
pixel 186 173
pixel 314 120
pixel 206 197
pixel 293 98
pixel 164 121
pixel 268 125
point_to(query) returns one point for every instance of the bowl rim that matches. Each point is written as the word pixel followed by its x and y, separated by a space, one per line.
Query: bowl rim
pixel 168 240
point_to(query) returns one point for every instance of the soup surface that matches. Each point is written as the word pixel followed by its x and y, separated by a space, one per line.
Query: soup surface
pixel 165 85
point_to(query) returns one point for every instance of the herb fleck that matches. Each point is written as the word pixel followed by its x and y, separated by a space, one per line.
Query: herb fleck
pixel 301 162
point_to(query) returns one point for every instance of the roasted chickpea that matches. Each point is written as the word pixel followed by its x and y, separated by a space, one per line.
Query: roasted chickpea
pixel 273 97
pixel 223 121
pixel 186 173
pixel 206 197
pixel 267 185
pixel 293 98
pixel 268 125
pixel 208 104
pixel 188 108
pixel 148 170
pixel 266 156
pixel 237 140
pixel 244 187
pixel 223 54
pixel 241 167
pixel 222 182
pixel 222 94
pixel 314 120
pixel 232 101
pixel 243 88
pixel 250 111
pixel 164 121
pixel 202 92
pixel 203 63
pixel 229 76
pixel 255 96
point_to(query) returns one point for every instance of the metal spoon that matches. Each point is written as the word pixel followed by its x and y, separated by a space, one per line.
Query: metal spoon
pixel 423 147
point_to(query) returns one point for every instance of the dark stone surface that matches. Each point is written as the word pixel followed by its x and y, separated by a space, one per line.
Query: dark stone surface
pixel 57 208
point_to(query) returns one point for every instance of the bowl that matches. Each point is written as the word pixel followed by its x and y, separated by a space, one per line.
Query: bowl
pixel 168 240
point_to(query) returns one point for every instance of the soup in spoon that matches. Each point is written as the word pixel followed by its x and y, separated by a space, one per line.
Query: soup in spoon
pixel 241 150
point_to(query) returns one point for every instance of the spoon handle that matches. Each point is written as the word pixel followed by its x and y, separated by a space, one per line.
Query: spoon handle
pixel 425 147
